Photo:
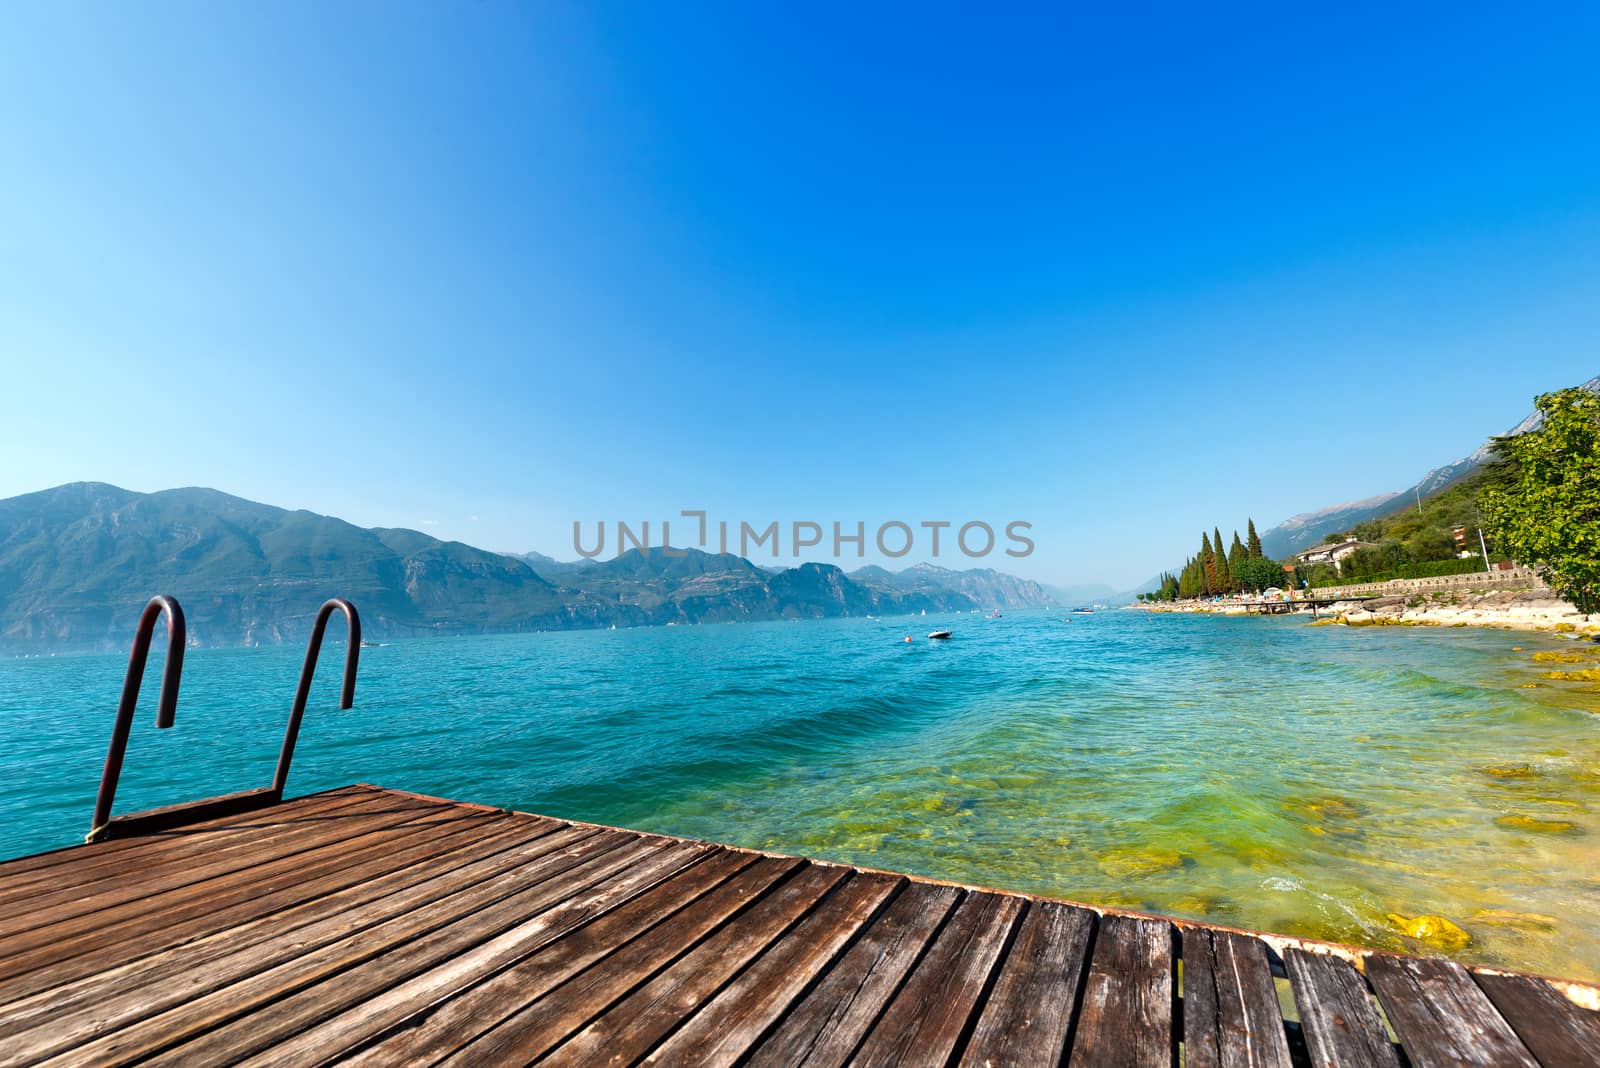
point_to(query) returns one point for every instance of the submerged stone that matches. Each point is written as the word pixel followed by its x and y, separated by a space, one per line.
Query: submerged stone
pixel 1509 771
pixel 1433 931
pixel 1134 863
pixel 1521 921
pixel 1534 823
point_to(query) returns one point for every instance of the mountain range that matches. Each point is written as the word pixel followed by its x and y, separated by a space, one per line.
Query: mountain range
pixel 1310 528
pixel 78 561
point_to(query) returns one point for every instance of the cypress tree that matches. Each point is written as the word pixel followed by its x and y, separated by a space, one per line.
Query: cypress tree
pixel 1253 546
pixel 1224 579
pixel 1208 565
pixel 1237 554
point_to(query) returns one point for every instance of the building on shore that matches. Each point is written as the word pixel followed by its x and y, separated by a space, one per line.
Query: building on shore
pixel 1331 553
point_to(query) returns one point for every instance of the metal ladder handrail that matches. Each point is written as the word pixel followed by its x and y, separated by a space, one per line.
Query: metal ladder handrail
pixel 166 706
pixel 347 691
pixel 104 825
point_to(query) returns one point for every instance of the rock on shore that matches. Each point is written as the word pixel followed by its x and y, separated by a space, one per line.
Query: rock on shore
pixel 1515 609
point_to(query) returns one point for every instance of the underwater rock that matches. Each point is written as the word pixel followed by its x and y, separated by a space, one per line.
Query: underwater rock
pixel 1433 931
pixel 1509 771
pixel 1560 658
pixel 1336 808
pixel 1534 823
pixel 1521 921
pixel 1582 675
pixel 1193 906
pixel 1134 863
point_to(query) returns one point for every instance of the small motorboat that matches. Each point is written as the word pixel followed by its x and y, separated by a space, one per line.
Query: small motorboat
pixel 940 634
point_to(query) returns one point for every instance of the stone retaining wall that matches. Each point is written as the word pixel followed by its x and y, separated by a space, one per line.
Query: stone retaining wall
pixel 1517 578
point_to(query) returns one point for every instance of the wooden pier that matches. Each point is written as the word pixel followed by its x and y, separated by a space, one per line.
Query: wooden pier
pixel 1279 607
pixel 378 927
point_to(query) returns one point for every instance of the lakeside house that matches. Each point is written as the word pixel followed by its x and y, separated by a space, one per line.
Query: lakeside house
pixel 1331 553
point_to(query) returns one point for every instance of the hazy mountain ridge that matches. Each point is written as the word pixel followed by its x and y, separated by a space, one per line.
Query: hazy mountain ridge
pixel 1309 528
pixel 78 561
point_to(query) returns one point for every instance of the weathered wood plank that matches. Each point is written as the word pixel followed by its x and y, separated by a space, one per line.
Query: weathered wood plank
pixel 725 1028
pixel 828 1024
pixel 482 940
pixel 141 1019
pixel 83 865
pixel 1028 1015
pixel 626 1031
pixel 22 902
pixel 74 853
pixel 1231 1017
pixel 1554 1029
pixel 926 1019
pixel 137 884
pixel 442 1020
pixel 156 956
pixel 1441 1016
pixel 542 1025
pixel 194 909
pixel 1125 1019
pixel 1337 1016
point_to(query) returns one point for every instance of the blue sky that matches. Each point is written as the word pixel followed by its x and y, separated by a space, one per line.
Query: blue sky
pixel 484 269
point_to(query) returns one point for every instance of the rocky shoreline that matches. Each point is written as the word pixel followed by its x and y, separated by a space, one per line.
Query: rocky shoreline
pixel 1538 610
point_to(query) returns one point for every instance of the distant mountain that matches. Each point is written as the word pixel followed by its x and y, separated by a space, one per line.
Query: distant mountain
pixel 550 567
pixel 984 587
pixel 1090 593
pixel 77 562
pixel 1309 528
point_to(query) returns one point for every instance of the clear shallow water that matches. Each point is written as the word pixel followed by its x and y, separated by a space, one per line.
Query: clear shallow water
pixel 1255 772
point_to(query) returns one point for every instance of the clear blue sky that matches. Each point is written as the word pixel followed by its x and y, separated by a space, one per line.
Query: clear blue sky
pixel 484 269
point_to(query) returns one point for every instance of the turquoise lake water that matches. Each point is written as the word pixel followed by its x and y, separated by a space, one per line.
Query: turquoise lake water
pixel 1249 771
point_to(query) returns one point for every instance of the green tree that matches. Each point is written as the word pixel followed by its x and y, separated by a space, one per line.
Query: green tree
pixel 1224 580
pixel 1208 565
pixel 1543 502
pixel 1253 542
pixel 1237 555
pixel 1429 543
pixel 1371 562
pixel 1188 580
pixel 1257 573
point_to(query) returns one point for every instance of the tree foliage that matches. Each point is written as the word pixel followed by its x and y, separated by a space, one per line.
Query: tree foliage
pixel 1543 497
pixel 1257 573
pixel 1224 579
